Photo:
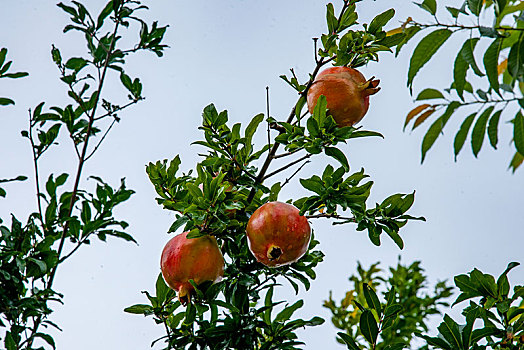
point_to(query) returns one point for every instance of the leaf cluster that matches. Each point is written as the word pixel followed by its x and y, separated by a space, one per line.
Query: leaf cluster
pixel 407 313
pixel 502 73
pixel 4 68
pixel 499 312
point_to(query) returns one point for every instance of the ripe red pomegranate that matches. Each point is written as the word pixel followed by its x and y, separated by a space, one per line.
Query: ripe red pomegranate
pixel 347 93
pixel 199 259
pixel 277 234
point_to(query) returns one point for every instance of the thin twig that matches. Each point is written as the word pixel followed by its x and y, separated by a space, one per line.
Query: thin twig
pixel 296 172
pixel 267 114
pixel 101 140
pixel 479 101
pixel 282 155
pixel 287 166
pixel 37 177
pixel 463 27
pixel 330 216
pixel 118 109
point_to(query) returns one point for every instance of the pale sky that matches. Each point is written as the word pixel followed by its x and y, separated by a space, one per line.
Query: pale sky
pixel 227 52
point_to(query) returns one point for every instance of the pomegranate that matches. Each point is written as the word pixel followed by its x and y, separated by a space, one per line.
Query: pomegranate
pixel 347 94
pixel 277 235
pixel 199 259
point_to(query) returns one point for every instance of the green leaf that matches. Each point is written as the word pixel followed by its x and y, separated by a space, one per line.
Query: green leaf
pixel 15 75
pixel 455 11
pixel 103 15
pixel 518 132
pixel 141 309
pixel 491 59
pixel 450 330
pixel 462 134
pixel 467 52
pixel 195 233
pixel 252 126
pixel 429 5
pixel 179 222
pixel 338 155
pixel 4 101
pixel 493 127
pixel 288 311
pixel 475 6
pixel 429 94
pixel 436 342
pixel 85 215
pixel 274 191
pixel 312 127
pixel 515 57
pixel 499 6
pixel 393 234
pixel 380 21
pixel 76 63
pixel 392 310
pixel 161 289
pixel 460 70
pixel 479 130
pixel 350 342
pixel 313 185
pixel 47 338
pixel 3 54
pixel 268 302
pixel 481 333
pixel 368 326
pixel 425 49
pixel 371 298
pixel 225 305
pixel 436 128
pixel 190 314
pixel 298 108
pixel 331 19
pixel 9 342
pixel 126 81
pixel 55 54
pixel 41 265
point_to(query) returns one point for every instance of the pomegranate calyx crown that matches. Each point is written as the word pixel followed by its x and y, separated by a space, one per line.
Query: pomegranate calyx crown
pixel 370 87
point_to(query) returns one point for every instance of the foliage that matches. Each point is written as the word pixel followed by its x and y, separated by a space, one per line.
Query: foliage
pixel 489 302
pixel 496 40
pixel 405 310
pixel 230 183
pixel 68 214
pixel 4 68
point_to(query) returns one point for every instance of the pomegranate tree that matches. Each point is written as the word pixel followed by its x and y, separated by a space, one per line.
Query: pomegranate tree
pixel 232 195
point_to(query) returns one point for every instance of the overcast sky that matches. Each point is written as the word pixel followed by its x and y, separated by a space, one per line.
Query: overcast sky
pixel 227 52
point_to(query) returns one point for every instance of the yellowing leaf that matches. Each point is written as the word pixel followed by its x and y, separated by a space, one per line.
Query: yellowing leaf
pixel 502 66
pixel 423 117
pixel 394 31
pixel 414 112
pixel 399 29
pixel 516 161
